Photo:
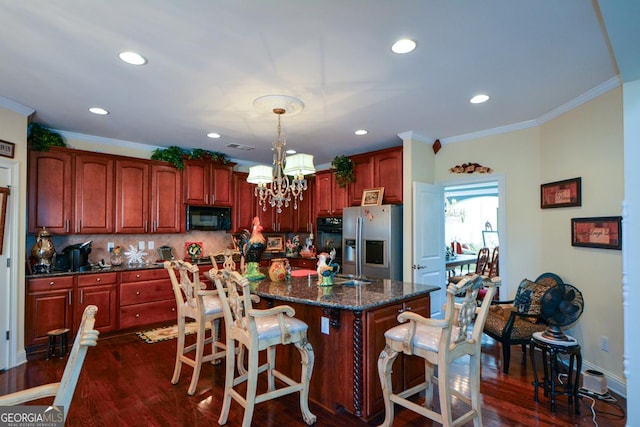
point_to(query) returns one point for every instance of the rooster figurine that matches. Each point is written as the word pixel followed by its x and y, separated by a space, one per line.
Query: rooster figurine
pixel 252 245
pixel 326 269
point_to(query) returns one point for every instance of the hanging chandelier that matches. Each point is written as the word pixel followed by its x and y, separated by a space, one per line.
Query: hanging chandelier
pixel 285 181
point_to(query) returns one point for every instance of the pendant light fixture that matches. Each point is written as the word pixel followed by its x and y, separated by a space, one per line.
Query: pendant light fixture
pixel 285 181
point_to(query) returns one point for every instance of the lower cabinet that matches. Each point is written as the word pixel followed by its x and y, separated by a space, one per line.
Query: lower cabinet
pixel 98 289
pixel 125 300
pixel 146 297
pixel 49 305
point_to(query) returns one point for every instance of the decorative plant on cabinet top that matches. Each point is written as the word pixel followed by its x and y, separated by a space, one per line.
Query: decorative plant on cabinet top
pixel 343 169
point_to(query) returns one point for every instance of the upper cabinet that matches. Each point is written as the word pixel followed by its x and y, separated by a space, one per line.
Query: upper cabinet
pixel 329 197
pixel 244 203
pixel 381 168
pixel 70 192
pixel 148 197
pixel 207 183
pixel 51 191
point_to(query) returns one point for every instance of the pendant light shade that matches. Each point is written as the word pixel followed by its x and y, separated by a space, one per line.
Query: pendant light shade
pixel 299 165
pixel 260 174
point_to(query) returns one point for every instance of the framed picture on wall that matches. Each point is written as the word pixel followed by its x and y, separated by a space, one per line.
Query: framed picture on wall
pixel 561 194
pixel 600 232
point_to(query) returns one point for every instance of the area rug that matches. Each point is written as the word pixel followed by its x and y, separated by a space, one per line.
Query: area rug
pixel 166 333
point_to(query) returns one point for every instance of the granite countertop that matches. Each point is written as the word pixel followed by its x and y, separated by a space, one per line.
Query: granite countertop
pixel 305 290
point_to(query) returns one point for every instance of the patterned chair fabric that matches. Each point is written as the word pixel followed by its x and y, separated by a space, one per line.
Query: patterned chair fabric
pixel 514 322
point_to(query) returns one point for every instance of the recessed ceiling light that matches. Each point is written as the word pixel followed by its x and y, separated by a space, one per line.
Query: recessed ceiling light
pixel 98 110
pixel 403 46
pixel 361 132
pixel 291 151
pixel 132 58
pixel 213 135
pixel 479 99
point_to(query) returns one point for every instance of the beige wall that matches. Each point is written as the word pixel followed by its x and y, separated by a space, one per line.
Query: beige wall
pixel 585 142
pixel 588 142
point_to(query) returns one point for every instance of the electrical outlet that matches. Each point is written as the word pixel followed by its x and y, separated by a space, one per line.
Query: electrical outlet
pixel 324 325
pixel 110 246
pixel 141 245
pixel 604 343
pixel 151 244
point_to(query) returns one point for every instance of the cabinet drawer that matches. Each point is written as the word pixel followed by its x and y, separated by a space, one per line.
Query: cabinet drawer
pixel 147 313
pixel 139 275
pixel 50 283
pixel 97 279
pixel 142 292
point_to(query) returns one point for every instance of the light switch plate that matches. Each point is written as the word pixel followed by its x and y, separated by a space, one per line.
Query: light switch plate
pixel 141 245
pixel 110 246
pixel 151 244
pixel 324 325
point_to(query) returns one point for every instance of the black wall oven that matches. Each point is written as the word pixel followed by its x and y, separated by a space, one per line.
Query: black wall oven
pixel 330 236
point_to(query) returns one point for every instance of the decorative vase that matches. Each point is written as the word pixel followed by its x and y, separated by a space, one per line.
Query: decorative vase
pixel 278 269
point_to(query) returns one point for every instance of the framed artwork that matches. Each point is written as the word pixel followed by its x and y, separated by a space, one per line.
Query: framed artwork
pixel 4 193
pixel 275 243
pixel 193 250
pixel 490 239
pixel 561 194
pixel 600 232
pixel 372 196
pixel 7 149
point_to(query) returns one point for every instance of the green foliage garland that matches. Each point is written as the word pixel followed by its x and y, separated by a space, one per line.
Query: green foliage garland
pixel 41 138
pixel 173 155
pixel 343 169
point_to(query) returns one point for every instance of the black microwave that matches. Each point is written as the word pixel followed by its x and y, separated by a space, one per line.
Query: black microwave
pixel 208 218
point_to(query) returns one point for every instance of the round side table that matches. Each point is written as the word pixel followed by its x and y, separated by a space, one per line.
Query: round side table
pixel 550 383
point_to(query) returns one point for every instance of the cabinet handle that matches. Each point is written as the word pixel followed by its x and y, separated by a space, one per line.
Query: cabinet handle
pixel 408 309
pixel 137 276
pixel 66 225
pixel 137 292
pixel 137 315
pixel 173 309
pixel 81 296
pixel 154 226
pixel 213 198
pixel 52 283
pixel 70 297
pixel 206 198
pixel 98 279
pixel 400 310
pixel 145 226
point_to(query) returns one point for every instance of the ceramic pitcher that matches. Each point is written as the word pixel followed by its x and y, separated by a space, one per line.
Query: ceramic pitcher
pixel 278 269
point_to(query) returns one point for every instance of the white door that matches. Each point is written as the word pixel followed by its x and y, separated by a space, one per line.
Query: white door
pixel 428 242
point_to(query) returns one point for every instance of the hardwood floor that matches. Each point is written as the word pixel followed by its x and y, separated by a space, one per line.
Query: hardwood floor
pixel 126 382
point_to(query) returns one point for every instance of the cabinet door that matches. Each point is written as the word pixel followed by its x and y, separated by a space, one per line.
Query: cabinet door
pixel 304 216
pixel 340 197
pixel 167 212
pixel 268 217
pixel 363 172
pixel 378 322
pixel 244 205
pixel 50 191
pixel 103 297
pixel 323 194
pixel 197 179
pixel 94 194
pixel 132 196
pixel 48 306
pixel 221 185
pixel 387 173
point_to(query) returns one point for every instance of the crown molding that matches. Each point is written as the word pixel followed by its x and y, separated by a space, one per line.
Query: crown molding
pixel 16 107
pixel 109 141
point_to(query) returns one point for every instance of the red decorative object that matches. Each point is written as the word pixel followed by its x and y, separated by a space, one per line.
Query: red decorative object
pixel 436 146
pixel 470 168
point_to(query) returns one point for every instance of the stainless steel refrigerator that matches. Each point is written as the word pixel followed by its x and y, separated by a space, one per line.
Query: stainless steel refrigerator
pixel 372 241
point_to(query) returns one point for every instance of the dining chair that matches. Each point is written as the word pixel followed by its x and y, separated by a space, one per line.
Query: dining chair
pixel 202 306
pixel 259 330
pixel 63 390
pixel 228 261
pixel 482 262
pixel 440 342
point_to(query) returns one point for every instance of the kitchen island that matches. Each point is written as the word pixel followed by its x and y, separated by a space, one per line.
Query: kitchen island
pixel 346 329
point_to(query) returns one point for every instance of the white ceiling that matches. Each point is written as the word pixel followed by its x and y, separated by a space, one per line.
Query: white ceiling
pixel 209 60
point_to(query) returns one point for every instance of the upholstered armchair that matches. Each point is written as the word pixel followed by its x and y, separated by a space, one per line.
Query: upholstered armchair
pixel 514 322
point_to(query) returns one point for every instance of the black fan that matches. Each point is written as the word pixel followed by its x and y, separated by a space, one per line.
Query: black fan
pixel 560 306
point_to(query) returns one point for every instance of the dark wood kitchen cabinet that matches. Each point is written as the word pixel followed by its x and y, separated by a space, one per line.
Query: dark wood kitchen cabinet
pixel 50 191
pixel 329 197
pixel 304 217
pixel 101 290
pixel 146 297
pixel 49 305
pixel 148 198
pixel 244 202
pixel 207 183
pixel 381 168
pixel 70 192
pixel 94 193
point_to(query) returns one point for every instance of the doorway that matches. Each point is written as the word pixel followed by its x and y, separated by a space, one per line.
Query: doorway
pixel 475 218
